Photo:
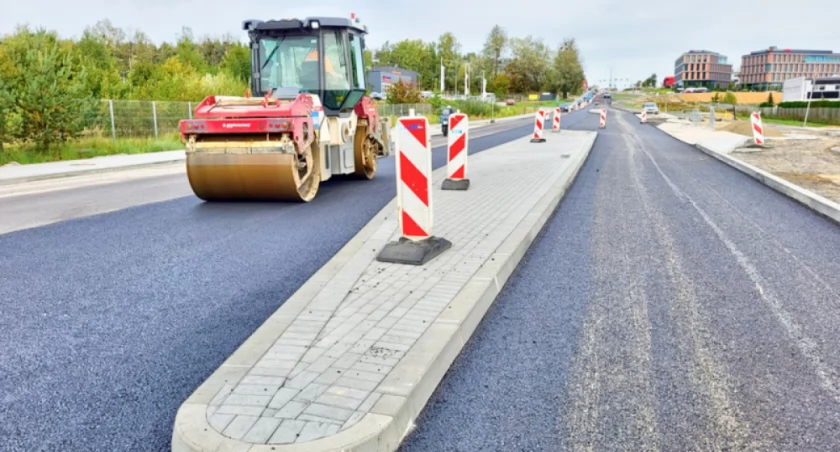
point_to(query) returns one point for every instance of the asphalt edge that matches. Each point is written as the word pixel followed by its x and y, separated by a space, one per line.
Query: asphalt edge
pixel 814 201
pixel 114 169
pixel 87 172
pixel 390 419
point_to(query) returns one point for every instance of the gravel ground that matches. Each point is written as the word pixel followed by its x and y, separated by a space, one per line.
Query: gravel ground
pixel 670 303
pixel 810 164
pixel 108 322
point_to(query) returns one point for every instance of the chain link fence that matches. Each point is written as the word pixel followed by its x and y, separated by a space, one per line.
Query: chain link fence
pixel 156 119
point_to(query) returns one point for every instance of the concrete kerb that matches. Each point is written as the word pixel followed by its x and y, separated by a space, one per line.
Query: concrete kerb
pixel 815 202
pixel 418 373
pixel 134 166
pixel 819 204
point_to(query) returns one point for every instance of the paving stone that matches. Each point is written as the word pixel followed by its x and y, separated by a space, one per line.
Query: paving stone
pixel 323 372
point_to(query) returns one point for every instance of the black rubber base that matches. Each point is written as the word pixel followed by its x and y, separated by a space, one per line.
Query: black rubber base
pixel 405 251
pixel 449 184
pixel 537 140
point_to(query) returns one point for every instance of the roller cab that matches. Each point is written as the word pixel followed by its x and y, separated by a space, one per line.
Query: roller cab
pixel 308 118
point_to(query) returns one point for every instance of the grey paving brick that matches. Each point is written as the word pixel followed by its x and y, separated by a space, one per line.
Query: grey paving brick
pixel 379 360
pixel 346 403
pixel 249 389
pixel 310 393
pixel 239 409
pixel 220 396
pixel 367 376
pixel 291 410
pixel 268 372
pixel 328 412
pixel 287 432
pixel 328 377
pixel 355 383
pixel 370 401
pixel 239 426
pixel 282 397
pixel 302 380
pixel 299 367
pixel 220 421
pixel 347 361
pixel 353 420
pixel 343 391
pixel 319 419
pixel 248 400
pixel 374 368
pixel 260 380
pixel 269 412
pixel 262 430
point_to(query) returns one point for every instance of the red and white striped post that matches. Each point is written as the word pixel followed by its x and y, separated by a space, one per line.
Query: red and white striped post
pixel 457 151
pixel 416 245
pixel 539 122
pixel 555 123
pixel 603 118
pixel 757 128
pixel 644 116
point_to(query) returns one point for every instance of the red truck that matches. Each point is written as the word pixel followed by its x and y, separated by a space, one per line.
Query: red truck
pixel 668 81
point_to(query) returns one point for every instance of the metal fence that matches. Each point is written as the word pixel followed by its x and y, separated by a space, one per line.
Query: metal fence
pixel 156 119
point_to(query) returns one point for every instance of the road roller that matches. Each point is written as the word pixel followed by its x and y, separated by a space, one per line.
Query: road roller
pixel 305 118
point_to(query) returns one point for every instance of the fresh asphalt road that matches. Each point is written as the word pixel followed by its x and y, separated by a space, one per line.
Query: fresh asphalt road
pixel 110 321
pixel 670 303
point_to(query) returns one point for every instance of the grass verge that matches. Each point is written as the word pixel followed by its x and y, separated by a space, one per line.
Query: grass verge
pixel 87 148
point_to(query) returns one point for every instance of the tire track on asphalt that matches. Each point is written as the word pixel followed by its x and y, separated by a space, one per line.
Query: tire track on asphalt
pixel 727 428
pixel 611 389
pixel 828 376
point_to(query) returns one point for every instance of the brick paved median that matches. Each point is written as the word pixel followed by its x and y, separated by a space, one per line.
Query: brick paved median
pixel 349 360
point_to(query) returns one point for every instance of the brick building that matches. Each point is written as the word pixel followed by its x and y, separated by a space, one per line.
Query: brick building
pixel 769 68
pixel 697 68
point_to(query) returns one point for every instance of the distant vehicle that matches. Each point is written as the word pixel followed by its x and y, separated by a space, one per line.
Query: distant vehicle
pixel 651 108
pixel 607 95
pixel 510 102
pixel 426 94
pixel 377 96
pixel 566 107
pixel 668 81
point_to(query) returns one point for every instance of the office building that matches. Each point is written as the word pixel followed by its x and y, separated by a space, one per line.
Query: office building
pixel 702 68
pixel 381 78
pixel 769 68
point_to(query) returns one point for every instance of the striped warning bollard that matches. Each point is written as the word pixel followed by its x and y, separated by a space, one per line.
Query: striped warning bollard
pixel 603 118
pixel 758 130
pixel 644 116
pixel 539 122
pixel 555 123
pixel 416 245
pixel 457 153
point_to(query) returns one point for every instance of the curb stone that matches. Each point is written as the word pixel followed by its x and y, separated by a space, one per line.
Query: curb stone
pixel 134 166
pixel 819 204
pixel 421 369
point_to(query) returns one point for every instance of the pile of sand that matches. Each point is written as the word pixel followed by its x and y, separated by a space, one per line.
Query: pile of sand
pixel 745 128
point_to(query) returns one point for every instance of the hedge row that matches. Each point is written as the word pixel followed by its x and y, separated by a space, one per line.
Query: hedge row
pixel 814 104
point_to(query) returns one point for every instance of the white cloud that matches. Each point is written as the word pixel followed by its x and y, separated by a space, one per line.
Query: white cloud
pixel 634 38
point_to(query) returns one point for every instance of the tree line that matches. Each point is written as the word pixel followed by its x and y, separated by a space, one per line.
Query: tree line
pixel 51 88
pixel 509 64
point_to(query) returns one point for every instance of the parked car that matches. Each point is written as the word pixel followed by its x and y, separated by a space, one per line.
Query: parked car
pixel 651 108
pixel 566 107
pixel 510 102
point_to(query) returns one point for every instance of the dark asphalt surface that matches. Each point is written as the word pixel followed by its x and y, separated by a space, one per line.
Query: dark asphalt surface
pixel 109 322
pixel 670 303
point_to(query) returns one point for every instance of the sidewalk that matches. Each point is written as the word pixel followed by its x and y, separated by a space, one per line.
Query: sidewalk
pixel 349 361
pixel 16 174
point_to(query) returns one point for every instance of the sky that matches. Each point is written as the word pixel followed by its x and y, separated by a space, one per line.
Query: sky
pixel 628 40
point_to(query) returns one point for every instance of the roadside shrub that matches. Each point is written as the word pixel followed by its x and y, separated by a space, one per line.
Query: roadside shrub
pixel 814 104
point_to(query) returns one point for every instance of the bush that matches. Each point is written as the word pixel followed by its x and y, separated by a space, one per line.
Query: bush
pixel 403 93
pixel 814 104
pixel 730 98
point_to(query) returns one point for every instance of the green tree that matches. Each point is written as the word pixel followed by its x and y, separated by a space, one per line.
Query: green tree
pixel 449 51
pixel 529 67
pixel 567 69
pixel 237 63
pixel 51 97
pixel 730 98
pixel 403 93
pixel 494 48
pixel 6 107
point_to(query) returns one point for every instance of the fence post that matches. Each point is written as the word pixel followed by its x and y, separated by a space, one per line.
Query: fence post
pixel 154 118
pixel 189 109
pixel 113 125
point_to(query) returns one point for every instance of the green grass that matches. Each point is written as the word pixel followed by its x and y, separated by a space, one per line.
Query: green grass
pixel 87 148
pixel 790 122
